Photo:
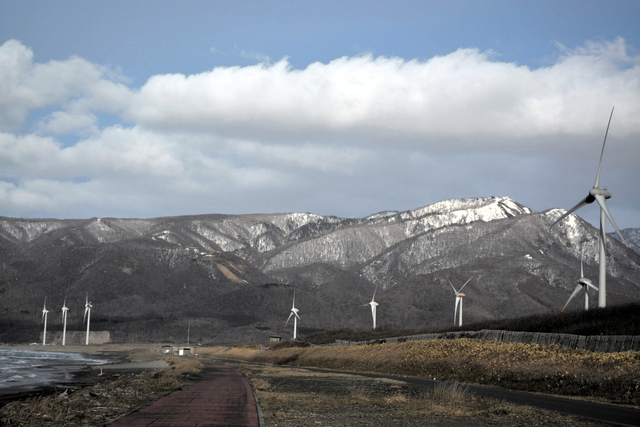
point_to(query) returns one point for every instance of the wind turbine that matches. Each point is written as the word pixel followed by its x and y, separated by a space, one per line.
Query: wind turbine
pixel 599 195
pixel 373 305
pixel 294 313
pixel 44 319
pixel 459 296
pixel 583 282
pixel 87 316
pixel 65 309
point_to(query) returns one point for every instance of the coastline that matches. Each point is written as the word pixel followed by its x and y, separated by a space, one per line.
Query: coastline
pixel 117 361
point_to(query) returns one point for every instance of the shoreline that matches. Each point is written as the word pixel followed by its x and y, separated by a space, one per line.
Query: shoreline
pixel 118 362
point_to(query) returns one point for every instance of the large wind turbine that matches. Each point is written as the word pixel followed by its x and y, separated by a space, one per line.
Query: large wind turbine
pixel 65 309
pixel 44 319
pixel 599 195
pixel 459 296
pixel 87 317
pixel 583 282
pixel 294 313
pixel 373 305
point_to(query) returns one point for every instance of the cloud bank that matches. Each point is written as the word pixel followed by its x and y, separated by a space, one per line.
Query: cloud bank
pixel 349 137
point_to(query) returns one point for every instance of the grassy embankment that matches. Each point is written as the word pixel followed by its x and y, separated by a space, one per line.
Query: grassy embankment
pixel 614 377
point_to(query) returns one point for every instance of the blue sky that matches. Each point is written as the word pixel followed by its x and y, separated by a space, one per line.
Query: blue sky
pixel 155 108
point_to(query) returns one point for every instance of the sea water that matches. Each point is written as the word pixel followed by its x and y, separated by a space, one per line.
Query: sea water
pixel 24 369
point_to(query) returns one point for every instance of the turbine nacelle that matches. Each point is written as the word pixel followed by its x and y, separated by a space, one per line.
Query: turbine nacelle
pixel 44 309
pixel 586 282
pixel 597 192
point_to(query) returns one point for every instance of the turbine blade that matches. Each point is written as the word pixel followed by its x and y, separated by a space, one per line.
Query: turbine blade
pixel 570 211
pixel 603 205
pixel 288 318
pixel 455 312
pixel 575 291
pixel 597 183
pixel 465 283
pixel 591 285
pixel 454 289
pixel 373 313
pixel 581 257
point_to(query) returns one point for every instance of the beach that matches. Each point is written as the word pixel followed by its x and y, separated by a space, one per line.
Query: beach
pixel 36 370
pixel 97 393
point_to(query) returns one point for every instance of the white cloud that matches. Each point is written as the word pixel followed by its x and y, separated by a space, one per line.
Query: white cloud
pixel 63 122
pixel 351 137
pixel 464 94
pixel 25 85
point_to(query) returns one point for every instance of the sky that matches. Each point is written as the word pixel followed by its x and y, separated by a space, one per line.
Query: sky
pixel 140 109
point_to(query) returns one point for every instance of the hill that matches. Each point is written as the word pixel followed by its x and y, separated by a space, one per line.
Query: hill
pixel 615 320
pixel 231 277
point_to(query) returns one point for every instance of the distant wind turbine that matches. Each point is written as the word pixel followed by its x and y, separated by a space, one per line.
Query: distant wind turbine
pixel 44 319
pixel 87 317
pixel 583 282
pixel 599 195
pixel 294 313
pixel 459 296
pixel 373 305
pixel 65 309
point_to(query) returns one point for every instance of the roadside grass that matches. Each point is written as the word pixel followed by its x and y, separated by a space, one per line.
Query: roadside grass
pixel 614 377
pixel 111 396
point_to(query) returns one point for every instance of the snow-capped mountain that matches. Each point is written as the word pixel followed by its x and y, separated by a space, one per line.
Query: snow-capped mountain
pixel 631 235
pixel 233 274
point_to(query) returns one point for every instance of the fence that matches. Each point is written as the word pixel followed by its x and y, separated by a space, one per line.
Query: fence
pixel 596 343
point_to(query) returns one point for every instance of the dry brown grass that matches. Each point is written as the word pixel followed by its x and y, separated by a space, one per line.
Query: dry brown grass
pixel 530 367
pixel 297 397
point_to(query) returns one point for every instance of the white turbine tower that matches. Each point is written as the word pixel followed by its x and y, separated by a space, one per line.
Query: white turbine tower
pixel 65 309
pixel 459 296
pixel 294 313
pixel 599 195
pixel 44 319
pixel 373 305
pixel 583 282
pixel 87 317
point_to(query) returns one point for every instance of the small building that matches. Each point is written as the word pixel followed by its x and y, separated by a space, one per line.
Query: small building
pixel 275 338
pixel 183 351
pixel 167 349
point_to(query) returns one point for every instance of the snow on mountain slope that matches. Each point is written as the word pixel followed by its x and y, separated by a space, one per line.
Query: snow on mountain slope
pixel 461 211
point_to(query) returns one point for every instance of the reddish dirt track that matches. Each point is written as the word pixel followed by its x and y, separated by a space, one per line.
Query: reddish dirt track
pixel 222 397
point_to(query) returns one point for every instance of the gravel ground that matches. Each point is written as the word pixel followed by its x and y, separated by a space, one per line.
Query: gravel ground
pixel 297 397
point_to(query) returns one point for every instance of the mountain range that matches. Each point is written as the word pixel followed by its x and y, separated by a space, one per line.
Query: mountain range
pixel 220 278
